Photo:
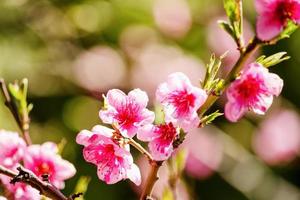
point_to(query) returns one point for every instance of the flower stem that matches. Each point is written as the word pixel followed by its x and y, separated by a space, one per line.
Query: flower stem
pixel 140 149
pixel 151 179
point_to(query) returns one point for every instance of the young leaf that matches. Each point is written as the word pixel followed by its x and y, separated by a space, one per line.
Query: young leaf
pixel 273 59
pixel 167 194
pixel 234 11
pixel 210 118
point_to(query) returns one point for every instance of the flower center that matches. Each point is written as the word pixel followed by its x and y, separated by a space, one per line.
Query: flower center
pixel 249 89
pixel 128 114
pixel 285 10
pixel 43 168
pixel 167 133
pixel 182 101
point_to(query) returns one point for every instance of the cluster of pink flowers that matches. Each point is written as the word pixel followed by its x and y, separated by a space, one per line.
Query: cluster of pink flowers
pixel 40 159
pixel 127 114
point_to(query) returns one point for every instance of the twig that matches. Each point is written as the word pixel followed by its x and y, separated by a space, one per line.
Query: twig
pixel 44 187
pixel 140 149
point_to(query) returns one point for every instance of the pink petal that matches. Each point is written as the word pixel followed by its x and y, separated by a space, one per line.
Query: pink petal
pixel 110 175
pixel 134 174
pixel 102 130
pixel 162 92
pixel 274 83
pixel 65 170
pixel 160 152
pixel 178 81
pixel 189 123
pixel 139 97
pixel 147 116
pixel 268 27
pixel 296 15
pixel 116 98
pixel 201 97
pixel 263 104
pixel 262 5
pixel 83 137
pixel 234 111
pixel 146 133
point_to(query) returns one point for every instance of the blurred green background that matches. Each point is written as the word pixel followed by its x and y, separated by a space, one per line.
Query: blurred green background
pixel 73 51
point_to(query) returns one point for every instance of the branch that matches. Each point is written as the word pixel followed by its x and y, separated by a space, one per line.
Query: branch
pixel 43 186
pixel 151 180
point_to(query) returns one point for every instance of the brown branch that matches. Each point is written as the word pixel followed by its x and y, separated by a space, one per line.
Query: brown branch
pixel 44 187
pixel 151 180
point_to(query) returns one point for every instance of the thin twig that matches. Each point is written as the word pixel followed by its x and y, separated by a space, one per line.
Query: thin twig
pixel 28 177
pixel 140 148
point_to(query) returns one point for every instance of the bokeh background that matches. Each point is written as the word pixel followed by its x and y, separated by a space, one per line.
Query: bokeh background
pixel 73 51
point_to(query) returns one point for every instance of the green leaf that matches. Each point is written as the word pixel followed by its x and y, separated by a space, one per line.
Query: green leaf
pixel 82 186
pixel 211 83
pixel 273 59
pixel 227 27
pixel 210 118
pixel 234 11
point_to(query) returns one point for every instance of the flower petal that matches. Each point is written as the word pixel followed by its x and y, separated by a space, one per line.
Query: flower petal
pixel 234 111
pixel 134 174
pixel 268 26
pixel 139 97
pixel 146 133
pixel 274 83
pixel 116 98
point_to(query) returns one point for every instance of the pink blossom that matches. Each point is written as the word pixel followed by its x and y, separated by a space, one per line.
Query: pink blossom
pixel 252 90
pixel 12 148
pixel 3 198
pixel 277 140
pixel 44 159
pixel 273 16
pixel 113 160
pixel 181 100
pixel 160 138
pixel 129 112
pixel 19 191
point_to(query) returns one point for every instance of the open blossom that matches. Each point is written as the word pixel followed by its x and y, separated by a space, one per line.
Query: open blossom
pixel 114 162
pixel 252 90
pixel 44 159
pixel 12 148
pixel 274 15
pixel 160 138
pixel 20 191
pixel 181 100
pixel 129 112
